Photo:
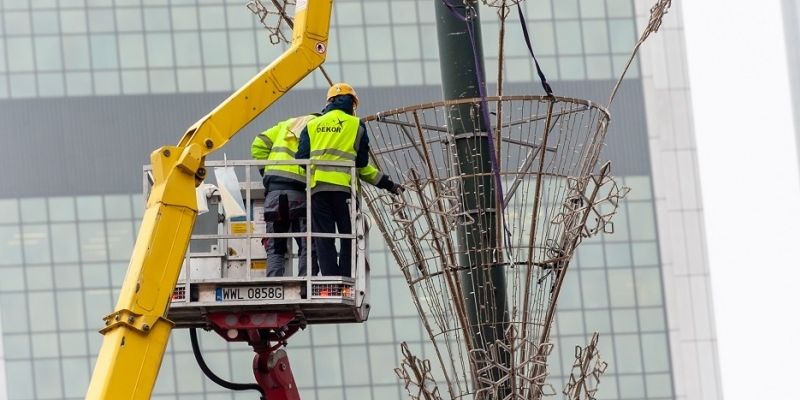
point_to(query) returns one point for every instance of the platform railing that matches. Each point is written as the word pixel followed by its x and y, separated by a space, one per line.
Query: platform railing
pixel 251 188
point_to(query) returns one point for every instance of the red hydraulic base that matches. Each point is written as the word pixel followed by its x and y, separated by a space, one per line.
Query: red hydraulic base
pixel 267 333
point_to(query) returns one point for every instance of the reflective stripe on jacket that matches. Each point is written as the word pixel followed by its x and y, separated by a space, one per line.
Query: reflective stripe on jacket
pixel 335 136
pixel 279 143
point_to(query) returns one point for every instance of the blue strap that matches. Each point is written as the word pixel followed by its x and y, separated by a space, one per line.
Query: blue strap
pixel 545 85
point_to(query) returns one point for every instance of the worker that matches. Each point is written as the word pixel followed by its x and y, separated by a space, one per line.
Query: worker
pixel 285 193
pixel 337 135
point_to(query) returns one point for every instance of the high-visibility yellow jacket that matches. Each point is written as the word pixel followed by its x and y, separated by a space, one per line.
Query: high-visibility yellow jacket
pixel 279 143
pixel 338 136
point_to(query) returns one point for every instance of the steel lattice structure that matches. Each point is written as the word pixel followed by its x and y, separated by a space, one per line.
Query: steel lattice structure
pixel 549 196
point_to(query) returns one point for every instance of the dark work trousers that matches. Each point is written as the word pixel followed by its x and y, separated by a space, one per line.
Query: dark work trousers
pixel 289 217
pixel 330 211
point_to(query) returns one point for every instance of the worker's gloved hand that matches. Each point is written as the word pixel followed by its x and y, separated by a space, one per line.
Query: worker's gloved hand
pixel 397 189
pixel 386 184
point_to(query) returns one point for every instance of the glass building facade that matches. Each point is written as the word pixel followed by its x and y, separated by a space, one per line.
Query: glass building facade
pixel 89 87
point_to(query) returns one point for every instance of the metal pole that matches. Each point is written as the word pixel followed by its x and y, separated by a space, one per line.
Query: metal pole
pixel 483 282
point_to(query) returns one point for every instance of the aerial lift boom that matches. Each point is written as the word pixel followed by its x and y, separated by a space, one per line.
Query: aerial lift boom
pixel 136 333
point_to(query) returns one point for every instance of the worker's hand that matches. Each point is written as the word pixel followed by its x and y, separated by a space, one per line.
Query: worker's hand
pixel 397 189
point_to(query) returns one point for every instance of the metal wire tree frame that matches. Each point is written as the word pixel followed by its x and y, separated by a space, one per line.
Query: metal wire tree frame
pixel 276 19
pixel 548 152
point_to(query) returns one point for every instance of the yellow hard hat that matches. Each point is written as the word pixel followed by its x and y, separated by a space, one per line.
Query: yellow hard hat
pixel 341 89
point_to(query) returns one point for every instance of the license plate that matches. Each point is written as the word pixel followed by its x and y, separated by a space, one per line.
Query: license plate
pixel 249 293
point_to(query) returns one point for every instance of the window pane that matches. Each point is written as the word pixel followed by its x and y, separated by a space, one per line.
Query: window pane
pixel 156 19
pixel 382 74
pixel 659 385
pixel 590 255
pixel 101 20
pixel 159 50
pixel 10 245
pixel 184 18
pixel 187 49
pixel 10 212
pixel 618 254
pixel 595 293
pixel 215 48
pixel 73 21
pixel 45 22
pixel 623 35
pixel 656 358
pixel 44 304
pixel 106 83
pixel 378 12
pixel 76 377
pixel 45 345
pixel 129 19
pixel 352 10
pixel 356 49
pixel 104 51
pixel 379 42
pixel 95 275
pixel 631 387
pixel 243 48
pixel 212 17
pixel 22 50
pixel 619 8
pixel 595 36
pixel 404 11
pixel 599 67
pixel 625 321
pixel 570 323
pixel 162 81
pixel 186 373
pixel 540 9
pixel 572 68
pixel 652 319
pixel 13 279
pixel 189 81
pixel 21 374
pixel 648 286
pixel 76 52
pixel 642 221
pixel 98 302
pixel 599 321
pixel 39 277
pixel 629 354
pixel 93 241
pixel 33 210
pixel 65 248
pixel 640 188
pixel 131 50
pixel 48 53
pixel 68 276
pixel 620 284
pixel 90 208
pixel 218 79
pixel 565 9
pixel 120 240
pixel 48 371
pixel 51 84
pixel 70 311
pixel 79 83
pixel 16 346
pixel 592 9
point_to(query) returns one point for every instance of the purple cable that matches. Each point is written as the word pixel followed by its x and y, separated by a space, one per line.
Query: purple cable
pixel 484 114
pixel 482 93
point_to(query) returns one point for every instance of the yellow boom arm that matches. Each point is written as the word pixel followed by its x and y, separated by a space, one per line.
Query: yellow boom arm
pixel 136 333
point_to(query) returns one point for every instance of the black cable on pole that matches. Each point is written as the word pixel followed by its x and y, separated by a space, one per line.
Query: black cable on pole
pixel 210 374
